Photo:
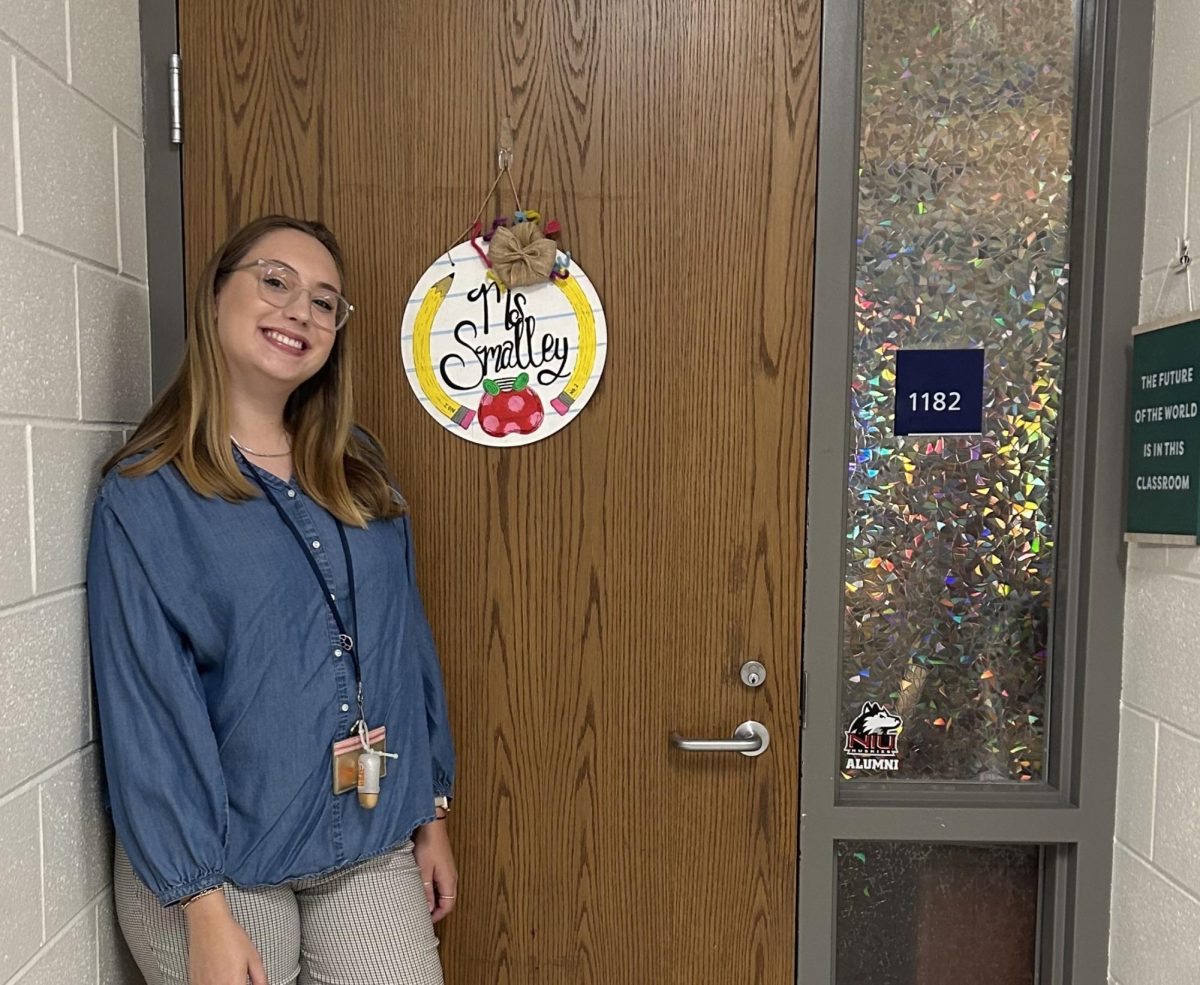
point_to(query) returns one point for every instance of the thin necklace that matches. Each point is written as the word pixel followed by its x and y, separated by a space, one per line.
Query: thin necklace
pixel 260 454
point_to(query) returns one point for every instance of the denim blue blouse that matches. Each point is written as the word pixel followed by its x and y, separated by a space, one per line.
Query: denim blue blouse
pixel 222 686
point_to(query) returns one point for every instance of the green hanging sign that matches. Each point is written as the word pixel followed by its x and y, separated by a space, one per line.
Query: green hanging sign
pixel 1163 496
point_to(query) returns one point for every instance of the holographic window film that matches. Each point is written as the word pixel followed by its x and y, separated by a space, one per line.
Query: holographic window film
pixel 964 198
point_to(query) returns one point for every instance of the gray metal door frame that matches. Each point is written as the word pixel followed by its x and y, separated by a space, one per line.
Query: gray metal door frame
pixel 164 192
pixel 1072 813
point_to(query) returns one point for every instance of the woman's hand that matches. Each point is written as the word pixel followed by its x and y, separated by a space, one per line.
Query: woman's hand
pixel 219 952
pixel 431 847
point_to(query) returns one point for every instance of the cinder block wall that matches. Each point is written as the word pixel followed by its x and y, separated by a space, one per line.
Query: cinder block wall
pixel 1156 868
pixel 74 373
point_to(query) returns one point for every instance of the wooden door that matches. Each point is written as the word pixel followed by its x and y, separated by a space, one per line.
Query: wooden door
pixel 676 144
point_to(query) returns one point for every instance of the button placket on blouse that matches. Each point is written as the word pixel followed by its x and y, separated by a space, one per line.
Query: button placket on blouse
pixel 343 685
pixel 320 552
pixel 303 519
pixel 308 528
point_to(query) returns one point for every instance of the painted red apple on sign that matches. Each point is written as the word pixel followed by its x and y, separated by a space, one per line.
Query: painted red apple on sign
pixel 510 407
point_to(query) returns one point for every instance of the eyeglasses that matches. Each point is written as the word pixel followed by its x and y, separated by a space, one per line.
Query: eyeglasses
pixel 280 285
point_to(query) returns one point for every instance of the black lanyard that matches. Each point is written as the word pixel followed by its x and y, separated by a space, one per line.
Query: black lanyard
pixel 345 640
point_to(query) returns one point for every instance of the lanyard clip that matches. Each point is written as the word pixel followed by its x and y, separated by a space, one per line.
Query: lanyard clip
pixel 362 712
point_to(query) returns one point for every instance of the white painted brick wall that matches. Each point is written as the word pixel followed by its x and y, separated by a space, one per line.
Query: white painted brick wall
pixel 1156 869
pixel 74 374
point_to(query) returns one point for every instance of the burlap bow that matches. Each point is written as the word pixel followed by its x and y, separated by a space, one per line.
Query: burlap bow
pixel 521 255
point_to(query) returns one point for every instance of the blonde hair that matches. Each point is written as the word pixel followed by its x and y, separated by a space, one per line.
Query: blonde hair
pixel 339 465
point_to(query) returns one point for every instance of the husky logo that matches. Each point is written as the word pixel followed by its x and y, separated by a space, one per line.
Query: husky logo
pixel 875 720
pixel 872 742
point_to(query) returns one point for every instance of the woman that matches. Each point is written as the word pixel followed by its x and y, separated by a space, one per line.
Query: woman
pixel 252 602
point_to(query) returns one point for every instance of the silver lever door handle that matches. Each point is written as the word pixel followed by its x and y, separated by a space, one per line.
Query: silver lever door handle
pixel 749 738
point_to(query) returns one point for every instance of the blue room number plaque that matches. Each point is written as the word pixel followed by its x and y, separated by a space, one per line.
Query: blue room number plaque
pixel 939 391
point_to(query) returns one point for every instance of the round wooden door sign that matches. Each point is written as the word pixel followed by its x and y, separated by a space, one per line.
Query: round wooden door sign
pixel 501 366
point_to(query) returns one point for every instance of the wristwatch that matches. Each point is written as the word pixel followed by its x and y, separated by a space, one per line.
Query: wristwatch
pixel 443 803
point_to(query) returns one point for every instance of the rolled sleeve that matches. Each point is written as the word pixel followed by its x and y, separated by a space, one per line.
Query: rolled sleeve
pixel 165 782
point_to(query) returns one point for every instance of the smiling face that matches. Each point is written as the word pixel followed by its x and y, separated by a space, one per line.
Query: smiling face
pixel 269 347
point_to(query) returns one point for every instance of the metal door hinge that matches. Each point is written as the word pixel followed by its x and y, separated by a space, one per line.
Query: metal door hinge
pixel 176 101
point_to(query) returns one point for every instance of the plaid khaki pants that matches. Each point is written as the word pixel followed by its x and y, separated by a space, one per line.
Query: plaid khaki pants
pixel 364 925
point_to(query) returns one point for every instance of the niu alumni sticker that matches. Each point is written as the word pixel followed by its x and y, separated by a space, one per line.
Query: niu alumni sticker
pixel 872 740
